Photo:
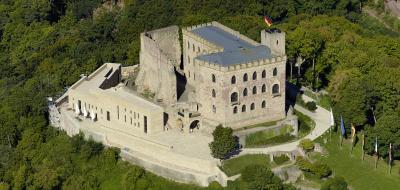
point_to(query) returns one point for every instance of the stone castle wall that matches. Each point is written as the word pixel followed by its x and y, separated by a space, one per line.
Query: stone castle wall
pixel 160 52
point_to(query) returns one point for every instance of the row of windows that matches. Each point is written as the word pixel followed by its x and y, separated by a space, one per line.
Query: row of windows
pixel 252 107
pixel 108 115
pixel 235 95
pixel 245 92
pixel 246 77
pixel 193 47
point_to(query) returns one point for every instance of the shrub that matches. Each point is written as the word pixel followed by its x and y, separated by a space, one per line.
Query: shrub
pixel 4 186
pixel 260 177
pixel 224 142
pixel 281 159
pixel 311 106
pixel 336 183
pixel 321 170
pixel 307 145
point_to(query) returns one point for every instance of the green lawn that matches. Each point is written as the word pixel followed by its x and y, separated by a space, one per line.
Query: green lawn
pixel 234 166
pixel 306 124
pixel 265 124
pixel 360 175
pixel 263 139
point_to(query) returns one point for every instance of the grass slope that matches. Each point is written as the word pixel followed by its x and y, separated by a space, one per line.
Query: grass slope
pixel 234 166
pixel 360 175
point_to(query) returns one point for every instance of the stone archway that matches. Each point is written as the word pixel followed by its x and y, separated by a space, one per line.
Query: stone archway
pixel 195 124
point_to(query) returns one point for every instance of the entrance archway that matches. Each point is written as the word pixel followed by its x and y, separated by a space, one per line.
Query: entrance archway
pixel 195 124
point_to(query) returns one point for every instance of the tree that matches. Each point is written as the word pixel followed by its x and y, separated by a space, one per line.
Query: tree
pixel 307 145
pixel 131 178
pixel 259 177
pixel 224 142
pixel 387 131
pixel 335 183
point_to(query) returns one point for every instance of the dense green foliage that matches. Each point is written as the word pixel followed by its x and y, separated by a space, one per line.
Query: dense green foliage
pixel 312 106
pixel 259 177
pixel 224 142
pixel 307 145
pixel 306 124
pixel 46 45
pixel 281 159
pixel 335 183
pixel 318 169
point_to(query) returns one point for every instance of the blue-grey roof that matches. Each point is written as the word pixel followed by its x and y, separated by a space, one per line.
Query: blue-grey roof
pixel 236 50
pixel 221 38
pixel 237 56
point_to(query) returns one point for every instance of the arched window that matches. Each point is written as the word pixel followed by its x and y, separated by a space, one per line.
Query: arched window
pixel 198 49
pixel 213 78
pixel 263 88
pixel 235 110
pixel 245 92
pixel 188 45
pixel 275 72
pixel 263 104
pixel 234 97
pixel 245 77
pixel 214 109
pixel 233 80
pixel 263 74
pixel 254 90
pixel 275 89
pixel 244 108
pixel 213 93
pixel 254 75
pixel 252 106
pixel 194 49
pixel 188 59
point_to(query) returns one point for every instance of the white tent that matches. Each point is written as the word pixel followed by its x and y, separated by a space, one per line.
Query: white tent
pixel 93 115
pixel 77 111
pixel 85 113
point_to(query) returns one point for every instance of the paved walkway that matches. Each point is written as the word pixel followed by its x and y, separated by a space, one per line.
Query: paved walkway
pixel 321 117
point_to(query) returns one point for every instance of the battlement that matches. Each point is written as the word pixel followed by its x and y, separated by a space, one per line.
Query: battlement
pixel 240 66
pixel 222 27
pixel 213 46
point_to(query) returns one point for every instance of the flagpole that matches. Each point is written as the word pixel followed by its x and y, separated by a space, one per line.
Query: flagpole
pixel 362 147
pixel 390 158
pixel 376 152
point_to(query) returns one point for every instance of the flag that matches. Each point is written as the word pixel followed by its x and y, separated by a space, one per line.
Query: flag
pixel 332 119
pixel 268 21
pixel 376 145
pixel 342 126
pixel 353 132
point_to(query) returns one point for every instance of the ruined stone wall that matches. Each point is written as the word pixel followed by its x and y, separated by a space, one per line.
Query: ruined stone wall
pixel 160 52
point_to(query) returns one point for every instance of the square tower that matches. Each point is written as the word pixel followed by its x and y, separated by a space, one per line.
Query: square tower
pixel 275 40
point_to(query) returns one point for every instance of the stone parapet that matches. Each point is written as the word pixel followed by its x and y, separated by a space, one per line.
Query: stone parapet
pixel 240 66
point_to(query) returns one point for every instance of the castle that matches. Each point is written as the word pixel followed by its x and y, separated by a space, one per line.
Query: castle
pixel 215 76
pixel 221 76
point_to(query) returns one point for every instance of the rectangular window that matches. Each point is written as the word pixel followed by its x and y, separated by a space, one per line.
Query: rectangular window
pixel 118 112
pixel 145 124
pixel 131 120
pixel 108 116
pixel 125 118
